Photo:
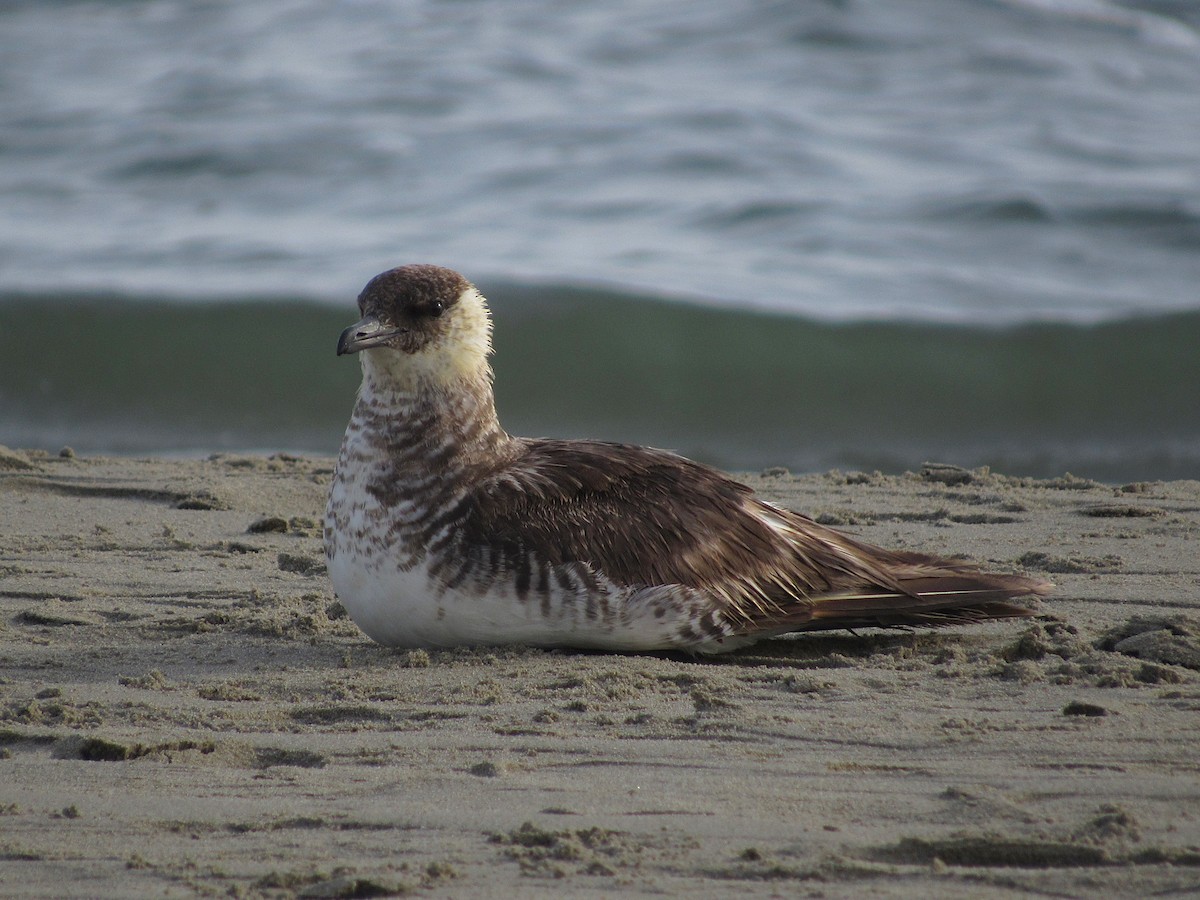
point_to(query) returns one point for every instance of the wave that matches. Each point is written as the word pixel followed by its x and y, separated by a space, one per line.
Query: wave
pixel 1157 29
pixel 1113 400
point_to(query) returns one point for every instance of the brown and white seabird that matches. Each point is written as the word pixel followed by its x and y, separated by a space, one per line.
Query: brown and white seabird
pixel 444 530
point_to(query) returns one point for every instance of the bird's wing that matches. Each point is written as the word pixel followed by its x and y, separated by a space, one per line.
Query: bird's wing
pixel 646 518
pixel 642 518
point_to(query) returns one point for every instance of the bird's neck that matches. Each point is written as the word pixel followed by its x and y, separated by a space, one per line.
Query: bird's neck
pixel 429 426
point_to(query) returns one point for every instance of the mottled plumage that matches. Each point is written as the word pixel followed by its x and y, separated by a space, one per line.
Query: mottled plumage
pixel 443 530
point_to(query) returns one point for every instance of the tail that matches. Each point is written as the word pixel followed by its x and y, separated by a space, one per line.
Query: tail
pixel 955 595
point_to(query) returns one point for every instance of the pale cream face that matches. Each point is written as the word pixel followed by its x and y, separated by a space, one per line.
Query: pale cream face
pixel 457 350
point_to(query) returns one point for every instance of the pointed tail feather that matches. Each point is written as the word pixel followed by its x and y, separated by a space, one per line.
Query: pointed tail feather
pixel 933 601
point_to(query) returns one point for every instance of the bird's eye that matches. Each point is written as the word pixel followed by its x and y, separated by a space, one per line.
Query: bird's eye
pixel 436 308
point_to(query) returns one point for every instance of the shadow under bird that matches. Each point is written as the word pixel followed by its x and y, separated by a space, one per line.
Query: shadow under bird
pixel 444 530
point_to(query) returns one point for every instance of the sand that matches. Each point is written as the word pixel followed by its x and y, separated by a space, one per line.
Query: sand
pixel 187 711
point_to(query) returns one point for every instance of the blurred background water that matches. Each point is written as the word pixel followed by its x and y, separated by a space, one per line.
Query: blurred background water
pixel 856 233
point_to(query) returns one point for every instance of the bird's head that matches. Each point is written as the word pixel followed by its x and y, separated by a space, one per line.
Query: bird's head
pixel 420 323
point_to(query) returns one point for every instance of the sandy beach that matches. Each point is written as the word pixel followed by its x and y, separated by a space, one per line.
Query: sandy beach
pixel 187 711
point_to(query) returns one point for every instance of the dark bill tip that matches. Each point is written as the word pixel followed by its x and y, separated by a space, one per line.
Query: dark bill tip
pixel 367 332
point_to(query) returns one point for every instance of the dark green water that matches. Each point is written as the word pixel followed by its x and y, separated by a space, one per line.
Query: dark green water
pixel 1116 401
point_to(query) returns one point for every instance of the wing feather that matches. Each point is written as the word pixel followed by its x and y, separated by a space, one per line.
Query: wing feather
pixel 644 517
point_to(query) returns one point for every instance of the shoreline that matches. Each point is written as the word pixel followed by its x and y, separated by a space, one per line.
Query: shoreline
pixel 186 710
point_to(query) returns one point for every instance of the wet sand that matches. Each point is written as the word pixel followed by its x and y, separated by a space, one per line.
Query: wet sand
pixel 186 711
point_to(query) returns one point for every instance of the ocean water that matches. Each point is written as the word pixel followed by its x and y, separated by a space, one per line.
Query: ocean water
pixel 852 233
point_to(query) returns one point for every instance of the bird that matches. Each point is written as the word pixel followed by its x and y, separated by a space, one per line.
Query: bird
pixel 443 530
